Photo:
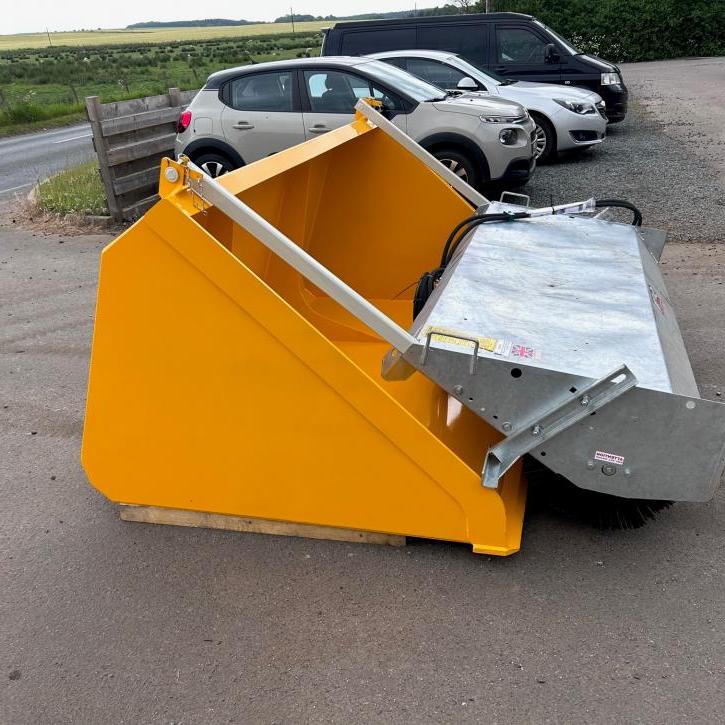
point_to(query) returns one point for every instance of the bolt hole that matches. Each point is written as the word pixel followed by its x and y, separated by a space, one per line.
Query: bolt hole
pixel 516 373
pixel 543 453
pixel 594 413
pixel 495 417
pixel 470 398
pixel 572 390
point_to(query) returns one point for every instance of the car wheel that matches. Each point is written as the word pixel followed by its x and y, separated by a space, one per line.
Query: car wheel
pixel 214 164
pixel 544 140
pixel 460 164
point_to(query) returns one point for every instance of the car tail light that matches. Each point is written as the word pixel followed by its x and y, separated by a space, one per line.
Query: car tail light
pixel 183 123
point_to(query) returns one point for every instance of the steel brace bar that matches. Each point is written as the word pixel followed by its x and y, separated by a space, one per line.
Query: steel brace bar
pixel 377 119
pixel 595 396
pixel 208 191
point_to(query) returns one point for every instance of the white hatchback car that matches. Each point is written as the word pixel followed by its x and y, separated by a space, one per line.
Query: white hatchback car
pixel 566 118
pixel 244 114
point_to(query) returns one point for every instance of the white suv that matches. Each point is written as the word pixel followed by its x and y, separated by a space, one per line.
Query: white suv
pixel 244 114
pixel 566 118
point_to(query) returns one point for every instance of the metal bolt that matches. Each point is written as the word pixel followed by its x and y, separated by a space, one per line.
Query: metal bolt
pixel 536 430
pixel 590 465
pixel 584 400
pixel 458 389
pixel 608 469
pixel 506 426
pixel 171 174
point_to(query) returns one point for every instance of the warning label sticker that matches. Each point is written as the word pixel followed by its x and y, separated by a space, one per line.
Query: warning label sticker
pixel 503 347
pixel 609 457
pixel 498 346
pixel 455 337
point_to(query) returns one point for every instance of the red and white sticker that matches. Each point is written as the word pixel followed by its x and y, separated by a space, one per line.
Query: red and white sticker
pixel 657 299
pixel 525 352
pixel 609 457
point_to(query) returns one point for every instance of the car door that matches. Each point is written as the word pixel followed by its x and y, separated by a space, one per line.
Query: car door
pixel 262 113
pixel 329 98
pixel 520 54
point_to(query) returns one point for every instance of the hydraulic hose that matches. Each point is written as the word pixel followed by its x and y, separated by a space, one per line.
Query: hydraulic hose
pixel 621 204
pixel 428 281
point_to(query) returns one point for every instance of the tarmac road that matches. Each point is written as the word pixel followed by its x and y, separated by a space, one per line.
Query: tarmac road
pixel 109 622
pixel 26 159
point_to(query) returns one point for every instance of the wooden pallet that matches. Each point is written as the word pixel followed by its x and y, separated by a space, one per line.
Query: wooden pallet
pixel 197 519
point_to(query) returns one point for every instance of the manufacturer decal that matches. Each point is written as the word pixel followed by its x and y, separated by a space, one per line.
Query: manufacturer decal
pixel 609 457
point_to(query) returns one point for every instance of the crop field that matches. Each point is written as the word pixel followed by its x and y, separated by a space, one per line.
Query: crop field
pixel 41 84
pixel 88 38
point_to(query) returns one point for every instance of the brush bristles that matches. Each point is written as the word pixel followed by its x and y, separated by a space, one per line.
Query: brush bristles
pixel 601 510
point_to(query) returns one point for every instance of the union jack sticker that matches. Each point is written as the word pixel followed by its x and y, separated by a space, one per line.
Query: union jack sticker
pixel 525 352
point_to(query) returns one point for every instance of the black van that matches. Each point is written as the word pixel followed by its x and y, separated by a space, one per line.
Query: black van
pixel 513 45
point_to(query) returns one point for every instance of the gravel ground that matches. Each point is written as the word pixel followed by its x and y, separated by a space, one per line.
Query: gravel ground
pixel 654 159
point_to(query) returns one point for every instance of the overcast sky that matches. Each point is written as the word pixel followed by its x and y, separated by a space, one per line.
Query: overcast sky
pixel 29 16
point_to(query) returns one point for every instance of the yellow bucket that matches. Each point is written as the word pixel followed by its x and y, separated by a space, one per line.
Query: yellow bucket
pixel 223 381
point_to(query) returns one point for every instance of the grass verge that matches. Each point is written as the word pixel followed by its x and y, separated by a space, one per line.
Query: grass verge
pixel 68 119
pixel 75 191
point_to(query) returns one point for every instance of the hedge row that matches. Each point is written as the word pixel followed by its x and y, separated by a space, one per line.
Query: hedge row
pixel 631 30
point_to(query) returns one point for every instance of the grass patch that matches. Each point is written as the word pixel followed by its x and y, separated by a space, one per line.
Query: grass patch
pixel 77 190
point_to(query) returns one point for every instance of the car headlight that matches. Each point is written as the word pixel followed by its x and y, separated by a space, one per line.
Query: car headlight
pixel 579 107
pixel 507 136
pixel 505 119
pixel 611 79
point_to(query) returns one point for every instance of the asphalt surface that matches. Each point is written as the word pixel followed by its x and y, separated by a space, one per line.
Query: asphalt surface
pixel 108 622
pixel 24 160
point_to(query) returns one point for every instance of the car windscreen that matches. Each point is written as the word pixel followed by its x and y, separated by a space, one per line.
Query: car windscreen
pixel 400 80
pixel 477 71
pixel 567 45
pixel 481 68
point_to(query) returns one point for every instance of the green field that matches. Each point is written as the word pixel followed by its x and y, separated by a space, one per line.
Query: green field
pixel 45 85
pixel 89 38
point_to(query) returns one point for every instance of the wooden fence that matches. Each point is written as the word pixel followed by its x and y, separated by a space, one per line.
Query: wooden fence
pixel 130 139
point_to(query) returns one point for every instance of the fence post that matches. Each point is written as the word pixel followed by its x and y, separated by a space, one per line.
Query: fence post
pixel 93 110
pixel 174 97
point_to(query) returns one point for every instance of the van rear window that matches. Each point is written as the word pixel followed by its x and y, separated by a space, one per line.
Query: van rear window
pixel 362 42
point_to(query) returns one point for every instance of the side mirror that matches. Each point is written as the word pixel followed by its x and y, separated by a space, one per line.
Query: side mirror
pixel 467 84
pixel 550 54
